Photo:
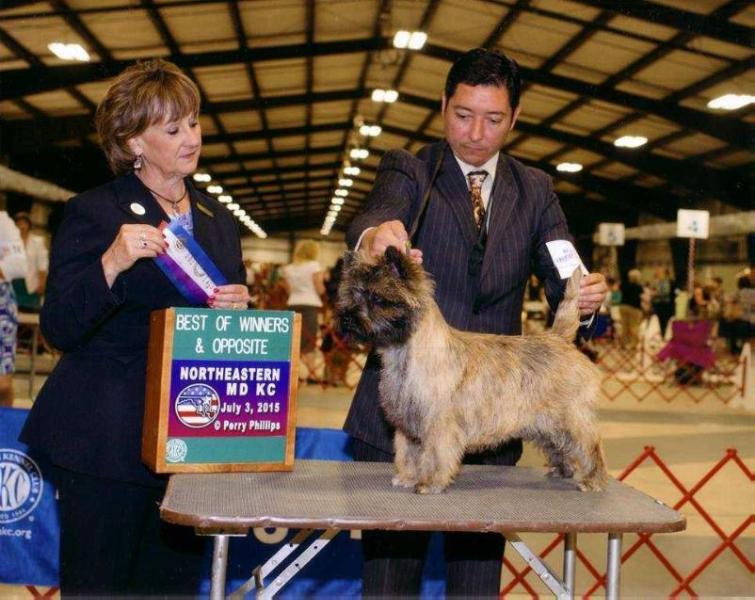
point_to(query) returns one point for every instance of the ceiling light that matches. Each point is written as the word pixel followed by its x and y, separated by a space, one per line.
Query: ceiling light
pixel 232 206
pixel 341 192
pixel 401 39
pixel 345 182
pixel 353 171
pixel 731 101
pixel 414 40
pixel 202 177
pixel 336 200
pixel 239 212
pixel 381 95
pixel 417 40
pixel 335 207
pixel 567 167
pixel 215 189
pixel 225 198
pixel 370 130
pixel 359 153
pixel 69 51
pixel 630 141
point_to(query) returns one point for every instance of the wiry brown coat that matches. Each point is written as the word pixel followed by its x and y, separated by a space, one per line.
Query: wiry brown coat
pixel 448 392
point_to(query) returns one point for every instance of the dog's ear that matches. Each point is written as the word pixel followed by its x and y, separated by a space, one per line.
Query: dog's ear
pixel 397 261
pixel 348 258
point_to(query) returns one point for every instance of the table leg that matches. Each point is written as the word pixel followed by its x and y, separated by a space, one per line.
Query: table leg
pixel 570 561
pixel 613 566
pixel 33 360
pixel 219 563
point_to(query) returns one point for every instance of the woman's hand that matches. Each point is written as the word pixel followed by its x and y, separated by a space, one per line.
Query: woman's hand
pixel 132 243
pixel 233 295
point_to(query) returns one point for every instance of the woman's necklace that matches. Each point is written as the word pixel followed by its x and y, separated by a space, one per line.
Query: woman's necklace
pixel 174 203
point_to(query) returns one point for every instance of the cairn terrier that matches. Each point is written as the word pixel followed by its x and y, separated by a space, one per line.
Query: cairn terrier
pixel 448 392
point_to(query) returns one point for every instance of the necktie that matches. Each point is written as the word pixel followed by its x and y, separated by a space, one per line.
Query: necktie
pixel 475 192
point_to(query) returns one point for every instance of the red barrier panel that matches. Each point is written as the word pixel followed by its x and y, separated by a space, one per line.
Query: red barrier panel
pixel 688 501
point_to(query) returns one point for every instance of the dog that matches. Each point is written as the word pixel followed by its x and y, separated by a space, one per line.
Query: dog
pixel 448 392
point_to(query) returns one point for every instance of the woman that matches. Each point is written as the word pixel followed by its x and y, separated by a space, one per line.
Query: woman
pixel 30 288
pixel 304 283
pixel 102 287
pixel 12 266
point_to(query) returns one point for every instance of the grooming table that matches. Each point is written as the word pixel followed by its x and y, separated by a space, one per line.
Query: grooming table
pixel 334 496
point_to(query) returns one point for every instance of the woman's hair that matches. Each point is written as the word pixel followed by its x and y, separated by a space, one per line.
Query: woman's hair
pixel 146 93
pixel 306 250
pixel 634 275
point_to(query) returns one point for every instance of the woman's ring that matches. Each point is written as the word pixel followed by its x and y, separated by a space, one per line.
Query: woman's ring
pixel 142 241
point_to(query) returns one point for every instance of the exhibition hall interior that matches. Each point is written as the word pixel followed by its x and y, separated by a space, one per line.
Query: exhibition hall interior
pixel 244 240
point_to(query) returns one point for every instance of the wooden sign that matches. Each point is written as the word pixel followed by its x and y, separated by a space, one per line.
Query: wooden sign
pixel 221 390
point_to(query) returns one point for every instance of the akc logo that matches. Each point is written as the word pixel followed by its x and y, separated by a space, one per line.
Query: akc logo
pixel 21 485
pixel 197 405
pixel 176 450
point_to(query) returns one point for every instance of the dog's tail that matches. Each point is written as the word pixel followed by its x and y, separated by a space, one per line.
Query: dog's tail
pixel 566 321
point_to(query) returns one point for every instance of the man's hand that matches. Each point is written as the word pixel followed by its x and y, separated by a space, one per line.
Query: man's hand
pixel 390 233
pixel 592 293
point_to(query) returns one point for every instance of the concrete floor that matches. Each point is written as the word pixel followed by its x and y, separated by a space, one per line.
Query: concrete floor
pixel 689 437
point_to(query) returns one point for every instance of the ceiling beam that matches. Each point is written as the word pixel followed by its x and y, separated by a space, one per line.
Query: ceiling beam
pixel 691 22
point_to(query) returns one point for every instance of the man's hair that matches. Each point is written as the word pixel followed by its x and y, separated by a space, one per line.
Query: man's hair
pixel 144 94
pixel 486 67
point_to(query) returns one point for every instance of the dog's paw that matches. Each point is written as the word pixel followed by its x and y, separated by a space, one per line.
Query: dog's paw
pixel 404 482
pixel 424 488
pixel 592 485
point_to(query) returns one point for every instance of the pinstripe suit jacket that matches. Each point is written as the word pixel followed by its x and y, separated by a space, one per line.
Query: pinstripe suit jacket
pixel 524 215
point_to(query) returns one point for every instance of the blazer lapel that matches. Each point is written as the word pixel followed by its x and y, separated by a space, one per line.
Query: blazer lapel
pixel 503 198
pixel 453 190
pixel 204 219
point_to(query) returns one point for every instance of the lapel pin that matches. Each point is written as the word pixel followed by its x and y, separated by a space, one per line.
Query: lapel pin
pixel 205 210
pixel 137 209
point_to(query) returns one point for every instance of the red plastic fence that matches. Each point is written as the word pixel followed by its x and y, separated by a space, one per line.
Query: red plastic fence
pixel 687 503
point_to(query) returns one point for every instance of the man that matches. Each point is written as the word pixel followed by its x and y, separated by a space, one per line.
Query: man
pixel 481 236
pixel 30 289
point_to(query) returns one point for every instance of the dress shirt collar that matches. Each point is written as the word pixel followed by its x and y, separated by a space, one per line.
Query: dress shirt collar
pixel 489 166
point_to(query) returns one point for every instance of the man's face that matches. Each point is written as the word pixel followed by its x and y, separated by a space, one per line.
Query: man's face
pixel 477 119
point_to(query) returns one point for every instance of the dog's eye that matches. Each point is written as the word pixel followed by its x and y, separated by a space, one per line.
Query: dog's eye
pixel 377 300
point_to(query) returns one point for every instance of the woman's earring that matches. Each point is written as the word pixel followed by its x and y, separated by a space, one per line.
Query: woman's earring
pixel 138 162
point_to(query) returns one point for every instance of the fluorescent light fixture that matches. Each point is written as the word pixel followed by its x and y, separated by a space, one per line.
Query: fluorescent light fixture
pixel 414 40
pixel 202 177
pixel 630 141
pixel 370 130
pixel 215 189
pixel 335 207
pixel 381 95
pixel 417 40
pixel 69 51
pixel 232 206
pixel 341 192
pixel 336 200
pixel 332 213
pixel 731 101
pixel 567 167
pixel 359 153
pixel 353 171
pixel 401 39
pixel 345 182
pixel 225 198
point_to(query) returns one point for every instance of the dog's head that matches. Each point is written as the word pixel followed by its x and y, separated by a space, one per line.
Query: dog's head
pixel 380 299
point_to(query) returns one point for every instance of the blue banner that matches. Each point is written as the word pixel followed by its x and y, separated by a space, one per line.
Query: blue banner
pixel 29 535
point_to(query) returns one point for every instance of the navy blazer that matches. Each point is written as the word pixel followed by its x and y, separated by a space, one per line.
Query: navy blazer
pixel 524 215
pixel 88 416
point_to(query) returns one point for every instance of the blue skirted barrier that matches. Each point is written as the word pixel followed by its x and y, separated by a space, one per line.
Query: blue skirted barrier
pixel 29 535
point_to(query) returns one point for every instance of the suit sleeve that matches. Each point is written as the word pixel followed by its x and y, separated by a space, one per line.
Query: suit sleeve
pixel 552 227
pixel 393 195
pixel 78 299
